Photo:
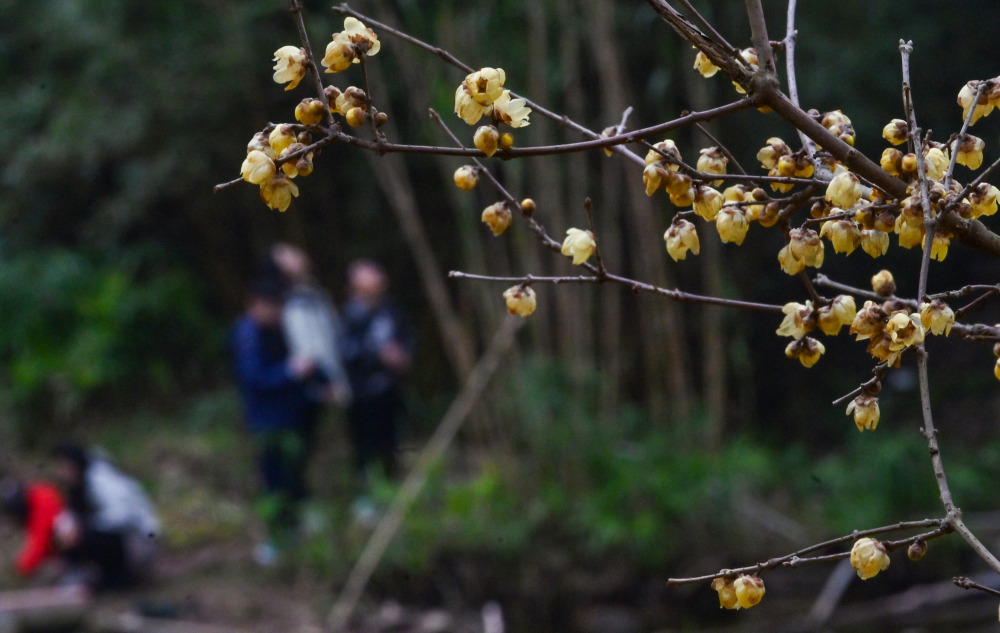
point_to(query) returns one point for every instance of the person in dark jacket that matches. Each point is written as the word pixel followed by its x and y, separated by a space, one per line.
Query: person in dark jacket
pixel 276 403
pixel 376 352
pixel 34 506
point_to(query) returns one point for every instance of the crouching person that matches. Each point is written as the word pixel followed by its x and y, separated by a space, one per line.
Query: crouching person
pixel 34 507
pixel 109 529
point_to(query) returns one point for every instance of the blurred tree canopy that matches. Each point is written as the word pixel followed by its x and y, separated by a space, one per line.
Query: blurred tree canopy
pixel 119 118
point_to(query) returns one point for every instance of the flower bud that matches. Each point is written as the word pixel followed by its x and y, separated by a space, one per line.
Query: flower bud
pixel 892 161
pixel 466 177
pixel 381 119
pixel 883 283
pixel 916 550
pixel 868 558
pixel 579 245
pixel 895 131
pixel 727 593
pixel 527 207
pixel 521 300
pixel 310 111
pixel 749 590
pixel 506 141
pixel 281 137
pixel 712 161
pixel 497 216
pixel 487 139
pixel 356 116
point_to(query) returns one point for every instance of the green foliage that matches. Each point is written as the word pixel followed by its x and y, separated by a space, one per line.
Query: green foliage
pixel 72 328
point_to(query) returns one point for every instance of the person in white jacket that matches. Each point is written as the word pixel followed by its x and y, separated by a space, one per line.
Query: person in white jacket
pixel 110 526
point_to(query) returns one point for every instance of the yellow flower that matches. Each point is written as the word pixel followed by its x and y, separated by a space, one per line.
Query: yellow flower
pixel 487 139
pixel 937 317
pixel 750 56
pixel 290 66
pixel 844 190
pixel 869 322
pixel 467 108
pixel 838 124
pixel 727 593
pixel 339 55
pixel 895 131
pixel 521 300
pixel 281 137
pixel 653 177
pixel 788 262
pixel 935 163
pixel 909 236
pixel 875 243
pixel 770 154
pixel 257 168
pixel 290 167
pixel 260 143
pixel 969 152
pixel 704 65
pixel 749 590
pixel 807 350
pixel 732 224
pixel 664 148
pixel 904 329
pixel 865 410
pixel 839 313
pixel 892 161
pixel 996 369
pixel 712 161
pixel 310 111
pixel 485 85
pixel 352 97
pixel 707 202
pixel 681 237
pixel 983 200
pixel 579 245
pixel 513 112
pixel 798 320
pixel 363 38
pixel 806 246
pixel 939 246
pixel 277 192
pixel 466 177
pixel 868 558
pixel 844 234
pixel 966 97
pixel 497 216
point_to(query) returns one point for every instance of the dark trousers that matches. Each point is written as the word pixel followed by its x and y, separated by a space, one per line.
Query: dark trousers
pixel 106 552
pixel 371 423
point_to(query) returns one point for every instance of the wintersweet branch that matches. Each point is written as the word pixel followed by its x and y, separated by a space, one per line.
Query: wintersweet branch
pixel 635 285
pixel 800 557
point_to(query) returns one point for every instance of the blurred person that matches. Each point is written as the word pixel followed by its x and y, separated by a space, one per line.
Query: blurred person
pixel 311 324
pixel 34 507
pixel 109 528
pixel 376 352
pixel 274 387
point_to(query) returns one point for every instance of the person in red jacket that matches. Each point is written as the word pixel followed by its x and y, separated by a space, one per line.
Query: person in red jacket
pixel 35 507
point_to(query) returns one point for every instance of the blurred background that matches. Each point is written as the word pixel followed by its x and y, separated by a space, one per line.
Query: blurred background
pixel 626 438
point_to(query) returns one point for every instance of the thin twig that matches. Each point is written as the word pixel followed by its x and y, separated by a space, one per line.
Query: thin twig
pixel 791 38
pixel 798 558
pixel 632 284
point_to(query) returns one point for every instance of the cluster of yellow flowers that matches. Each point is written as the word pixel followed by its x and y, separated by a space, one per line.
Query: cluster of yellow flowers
pixel 286 145
pixel 481 94
pixel 800 319
pixel 742 592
